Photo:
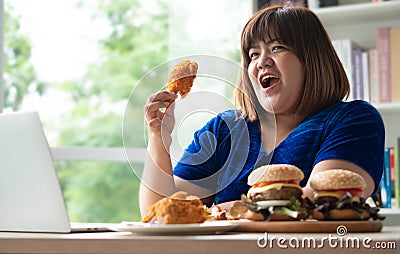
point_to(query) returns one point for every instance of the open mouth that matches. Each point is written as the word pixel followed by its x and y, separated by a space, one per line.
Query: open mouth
pixel 269 80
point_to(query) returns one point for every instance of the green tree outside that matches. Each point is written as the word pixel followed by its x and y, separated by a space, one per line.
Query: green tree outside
pixel 109 191
pixel 19 77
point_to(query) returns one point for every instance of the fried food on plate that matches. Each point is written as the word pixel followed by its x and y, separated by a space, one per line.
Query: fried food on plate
pixel 181 77
pixel 180 208
pixel 215 213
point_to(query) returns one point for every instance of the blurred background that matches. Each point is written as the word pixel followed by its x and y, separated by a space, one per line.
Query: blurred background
pixel 78 62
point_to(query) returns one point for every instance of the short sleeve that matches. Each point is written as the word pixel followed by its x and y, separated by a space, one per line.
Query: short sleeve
pixel 355 133
pixel 201 159
pixel 221 155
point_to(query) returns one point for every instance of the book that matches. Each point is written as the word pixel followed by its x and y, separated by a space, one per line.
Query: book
pixel 395 63
pixel 366 87
pixel 347 59
pixel 397 174
pixel 347 50
pixel 391 165
pixel 383 56
pixel 373 76
pixel 385 185
pixel 358 90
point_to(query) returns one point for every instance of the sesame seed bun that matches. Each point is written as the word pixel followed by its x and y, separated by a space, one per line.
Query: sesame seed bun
pixel 275 172
pixel 336 179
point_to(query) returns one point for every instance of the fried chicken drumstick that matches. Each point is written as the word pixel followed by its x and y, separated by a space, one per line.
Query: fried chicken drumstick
pixel 180 208
pixel 181 77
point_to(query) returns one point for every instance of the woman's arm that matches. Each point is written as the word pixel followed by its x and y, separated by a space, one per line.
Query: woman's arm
pixel 157 180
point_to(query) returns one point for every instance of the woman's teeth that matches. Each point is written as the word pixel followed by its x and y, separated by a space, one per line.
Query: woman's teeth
pixel 266 80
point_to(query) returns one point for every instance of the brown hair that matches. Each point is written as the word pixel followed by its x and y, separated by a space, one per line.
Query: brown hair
pixel 325 81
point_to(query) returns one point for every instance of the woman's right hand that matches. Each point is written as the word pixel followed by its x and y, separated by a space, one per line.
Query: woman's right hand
pixel 160 122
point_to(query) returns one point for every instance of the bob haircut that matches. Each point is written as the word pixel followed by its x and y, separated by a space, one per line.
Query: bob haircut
pixel 325 81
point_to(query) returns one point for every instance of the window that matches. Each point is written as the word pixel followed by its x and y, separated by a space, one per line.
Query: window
pixel 88 66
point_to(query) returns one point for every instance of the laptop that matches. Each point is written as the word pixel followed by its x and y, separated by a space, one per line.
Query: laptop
pixel 31 199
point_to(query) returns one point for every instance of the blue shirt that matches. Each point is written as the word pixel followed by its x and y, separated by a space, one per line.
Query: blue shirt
pixel 225 151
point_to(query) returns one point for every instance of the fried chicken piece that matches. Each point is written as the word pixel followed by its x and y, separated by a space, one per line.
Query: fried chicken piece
pixel 177 209
pixel 181 77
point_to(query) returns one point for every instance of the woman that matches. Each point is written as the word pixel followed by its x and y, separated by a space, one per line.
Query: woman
pixel 290 94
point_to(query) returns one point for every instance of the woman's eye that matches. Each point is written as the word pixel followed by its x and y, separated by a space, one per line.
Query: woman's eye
pixel 277 48
pixel 253 55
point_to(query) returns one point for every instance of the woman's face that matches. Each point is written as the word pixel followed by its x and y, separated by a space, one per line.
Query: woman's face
pixel 276 74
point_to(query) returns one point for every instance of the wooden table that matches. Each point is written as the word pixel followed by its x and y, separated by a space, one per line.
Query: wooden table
pixel 231 242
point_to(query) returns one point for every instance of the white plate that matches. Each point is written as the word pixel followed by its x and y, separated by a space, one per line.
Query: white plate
pixel 196 228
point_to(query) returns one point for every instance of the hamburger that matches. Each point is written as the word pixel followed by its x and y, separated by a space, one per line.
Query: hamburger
pixel 338 195
pixel 275 194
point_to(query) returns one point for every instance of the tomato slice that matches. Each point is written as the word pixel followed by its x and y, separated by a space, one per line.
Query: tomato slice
pixel 261 184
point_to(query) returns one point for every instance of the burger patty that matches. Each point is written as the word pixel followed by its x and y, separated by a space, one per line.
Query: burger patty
pixel 326 199
pixel 285 193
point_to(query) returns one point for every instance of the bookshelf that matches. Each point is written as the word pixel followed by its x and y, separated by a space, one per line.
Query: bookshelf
pixel 359 22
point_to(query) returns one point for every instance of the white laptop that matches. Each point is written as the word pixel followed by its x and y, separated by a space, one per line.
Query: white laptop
pixel 31 199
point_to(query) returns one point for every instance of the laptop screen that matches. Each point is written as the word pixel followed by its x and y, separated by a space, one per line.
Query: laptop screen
pixel 31 198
